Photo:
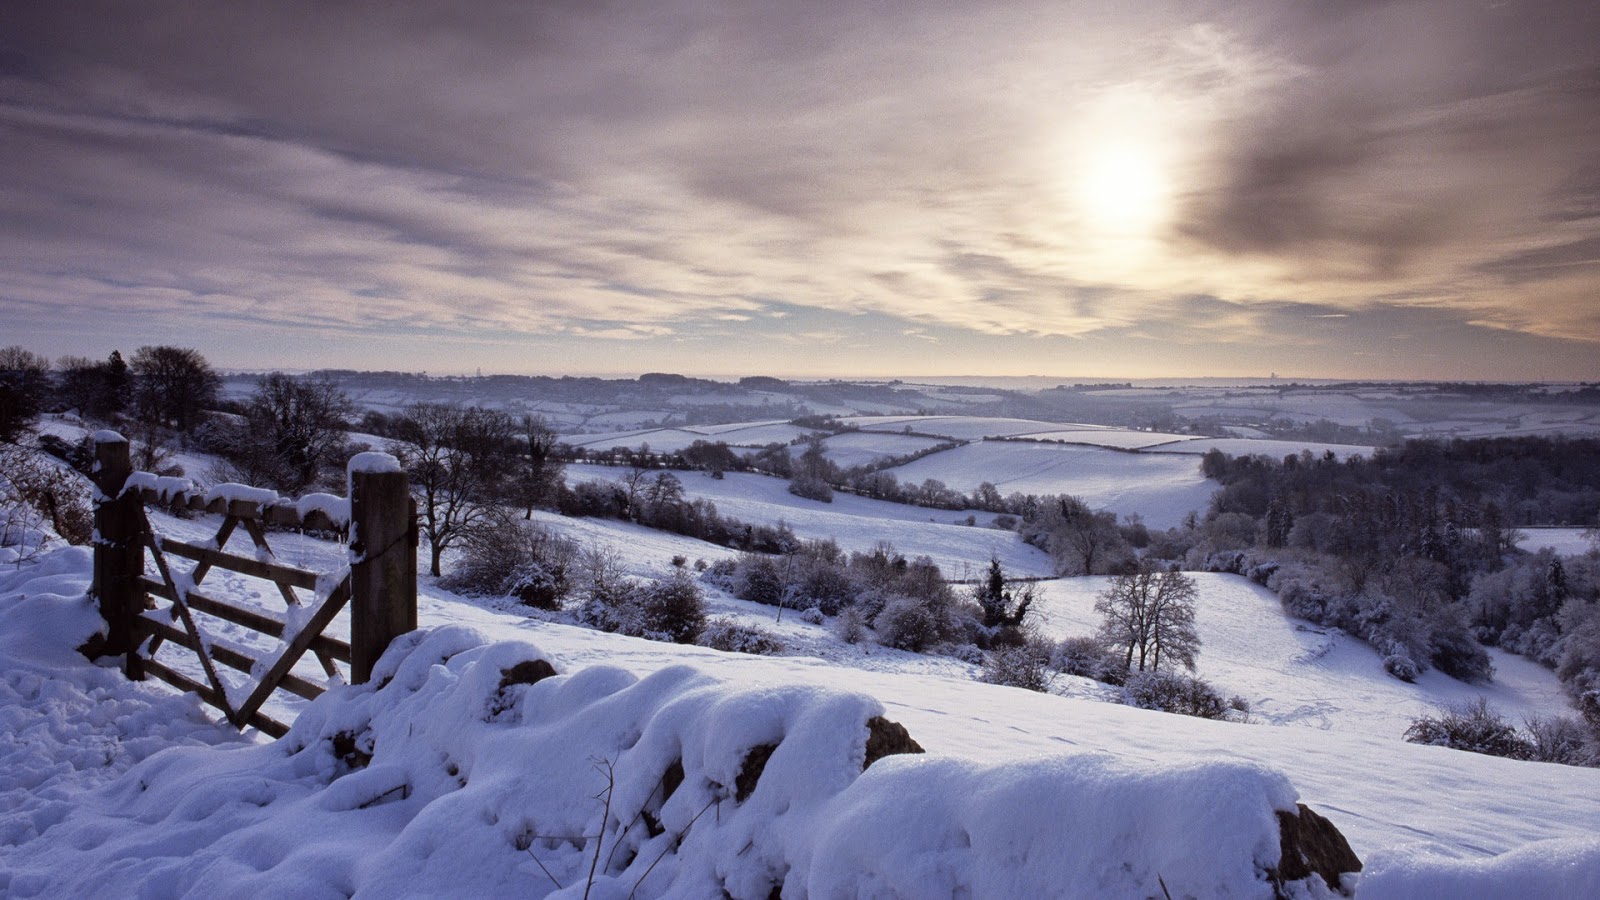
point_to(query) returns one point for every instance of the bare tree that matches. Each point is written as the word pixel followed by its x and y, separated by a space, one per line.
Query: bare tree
pixel 24 381
pixel 1083 542
pixel 173 385
pixel 457 460
pixel 295 426
pixel 538 471
pixel 1150 616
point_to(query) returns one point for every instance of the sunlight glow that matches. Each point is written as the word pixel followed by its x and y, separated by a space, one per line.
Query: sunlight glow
pixel 1118 179
pixel 1122 187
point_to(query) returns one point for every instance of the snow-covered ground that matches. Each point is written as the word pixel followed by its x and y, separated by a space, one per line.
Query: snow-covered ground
pixel 857 523
pixel 1299 674
pixel 463 766
pixel 1565 541
pixel 1161 488
pixel 480 789
pixel 1251 447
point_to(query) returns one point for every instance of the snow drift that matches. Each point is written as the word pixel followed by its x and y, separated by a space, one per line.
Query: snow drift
pixel 468 768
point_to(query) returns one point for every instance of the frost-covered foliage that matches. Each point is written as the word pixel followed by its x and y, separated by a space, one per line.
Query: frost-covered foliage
pixel 671 610
pixel 468 769
pixel 1021 667
pixel 40 497
pixel 914 623
pixel 851 626
pixel 1174 693
pixel 736 637
pixel 1089 657
pixel 1474 727
pixel 517 558
pixel 906 602
pixel 810 487
pixel 1410 549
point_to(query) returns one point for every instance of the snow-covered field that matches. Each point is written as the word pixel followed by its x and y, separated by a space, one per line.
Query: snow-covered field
pixel 857 523
pixel 1161 488
pixel 1565 541
pixel 1250 447
pixel 859 448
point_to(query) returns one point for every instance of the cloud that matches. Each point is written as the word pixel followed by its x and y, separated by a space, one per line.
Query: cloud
pixel 660 171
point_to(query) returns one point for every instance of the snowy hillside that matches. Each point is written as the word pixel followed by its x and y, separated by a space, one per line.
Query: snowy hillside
pixel 479 786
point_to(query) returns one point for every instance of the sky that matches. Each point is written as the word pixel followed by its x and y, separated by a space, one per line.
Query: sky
pixel 1326 188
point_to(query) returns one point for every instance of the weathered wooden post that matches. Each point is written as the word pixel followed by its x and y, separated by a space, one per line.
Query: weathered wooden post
pixel 383 552
pixel 118 553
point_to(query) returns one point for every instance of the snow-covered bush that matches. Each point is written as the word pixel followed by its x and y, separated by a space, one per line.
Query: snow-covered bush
pixel 1015 667
pixel 912 623
pixel 812 616
pixel 811 487
pixel 735 637
pixel 512 557
pixel 39 496
pixel 1474 727
pixel 726 634
pixel 673 610
pixel 851 625
pixel 610 597
pixel 1562 739
pixel 759 580
pixel 1402 666
pixel 1088 657
pixel 1174 693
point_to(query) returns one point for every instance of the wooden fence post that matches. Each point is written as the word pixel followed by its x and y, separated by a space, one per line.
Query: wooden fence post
pixel 118 553
pixel 383 549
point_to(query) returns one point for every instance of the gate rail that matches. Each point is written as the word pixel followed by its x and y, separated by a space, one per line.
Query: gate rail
pixel 380 584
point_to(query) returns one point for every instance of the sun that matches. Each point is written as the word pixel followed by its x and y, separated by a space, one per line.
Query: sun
pixel 1122 188
pixel 1119 173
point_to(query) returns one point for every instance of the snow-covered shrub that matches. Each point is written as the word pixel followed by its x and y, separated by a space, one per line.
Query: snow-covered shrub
pixel 1402 666
pixel 726 634
pixel 851 625
pixel 968 653
pixel 1088 657
pixel 722 573
pixel 812 616
pixel 512 557
pixel 1562 739
pixel 811 487
pixel 1174 693
pixel 38 493
pixel 673 610
pixel 1015 667
pixel 823 581
pixel 911 623
pixel 610 597
pixel 1456 653
pixel 1474 727
pixel 759 580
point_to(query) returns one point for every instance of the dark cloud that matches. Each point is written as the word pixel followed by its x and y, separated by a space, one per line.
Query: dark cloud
pixel 1404 120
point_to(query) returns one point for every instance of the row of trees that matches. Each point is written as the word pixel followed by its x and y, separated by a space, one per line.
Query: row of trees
pixel 163 386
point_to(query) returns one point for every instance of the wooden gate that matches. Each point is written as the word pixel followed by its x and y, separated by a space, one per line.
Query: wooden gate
pixel 380 583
